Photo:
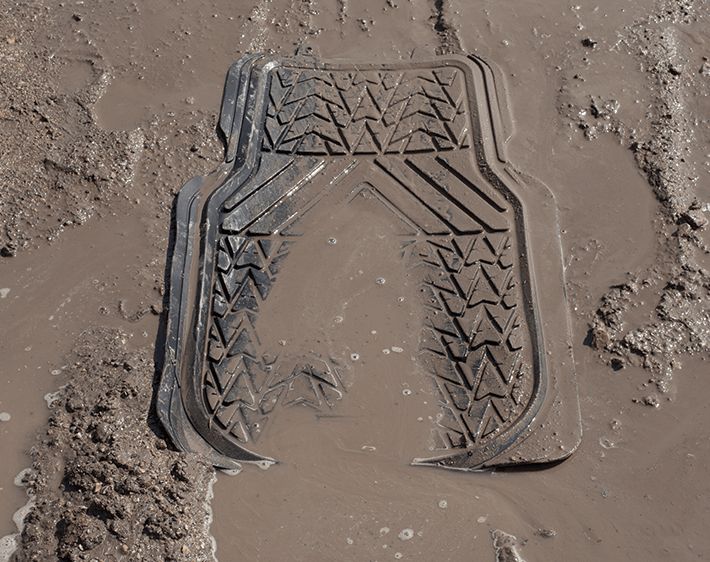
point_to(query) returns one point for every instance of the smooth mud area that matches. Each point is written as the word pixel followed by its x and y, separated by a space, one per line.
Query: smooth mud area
pixel 107 109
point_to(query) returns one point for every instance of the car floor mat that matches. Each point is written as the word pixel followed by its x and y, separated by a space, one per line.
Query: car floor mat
pixel 421 146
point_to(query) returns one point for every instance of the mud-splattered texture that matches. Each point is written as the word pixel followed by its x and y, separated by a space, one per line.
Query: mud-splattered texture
pixel 104 483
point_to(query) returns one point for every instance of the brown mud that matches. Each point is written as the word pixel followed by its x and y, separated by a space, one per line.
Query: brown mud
pixel 106 109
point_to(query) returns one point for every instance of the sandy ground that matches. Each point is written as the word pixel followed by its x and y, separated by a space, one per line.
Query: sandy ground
pixel 106 109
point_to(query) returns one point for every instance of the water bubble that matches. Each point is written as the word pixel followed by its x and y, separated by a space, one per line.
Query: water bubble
pixel 332 241
pixel 354 356
pixel 406 534
pixel 443 504
pixel 397 349
pixel 380 280
pixel 407 392
pixel 4 416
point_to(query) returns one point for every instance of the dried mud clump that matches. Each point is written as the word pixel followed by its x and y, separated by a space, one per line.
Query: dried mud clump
pixel 57 166
pixel 104 482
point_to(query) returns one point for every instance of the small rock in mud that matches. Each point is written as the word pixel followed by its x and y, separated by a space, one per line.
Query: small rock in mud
pixel 695 218
pixel 651 400
pixel 604 109
pixel 505 546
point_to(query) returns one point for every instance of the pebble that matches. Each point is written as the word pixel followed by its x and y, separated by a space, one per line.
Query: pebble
pixel 51 398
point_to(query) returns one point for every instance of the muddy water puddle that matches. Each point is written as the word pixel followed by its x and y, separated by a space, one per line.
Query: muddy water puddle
pixel 331 500
pixel 345 302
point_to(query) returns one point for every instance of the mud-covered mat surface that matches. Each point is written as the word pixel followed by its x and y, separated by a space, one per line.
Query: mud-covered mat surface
pixel 366 247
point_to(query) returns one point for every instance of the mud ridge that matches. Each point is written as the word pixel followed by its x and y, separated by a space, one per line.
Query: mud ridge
pixel 681 322
pixel 105 483
pixel 446 32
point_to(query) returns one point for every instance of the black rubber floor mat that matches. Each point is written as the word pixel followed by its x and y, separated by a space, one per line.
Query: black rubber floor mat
pixel 423 144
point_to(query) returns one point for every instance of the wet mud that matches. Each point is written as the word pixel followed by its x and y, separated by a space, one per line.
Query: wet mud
pixel 108 109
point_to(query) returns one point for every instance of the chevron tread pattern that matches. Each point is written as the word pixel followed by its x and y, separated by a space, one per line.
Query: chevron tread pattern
pixel 476 343
pixel 369 112
pixel 241 383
